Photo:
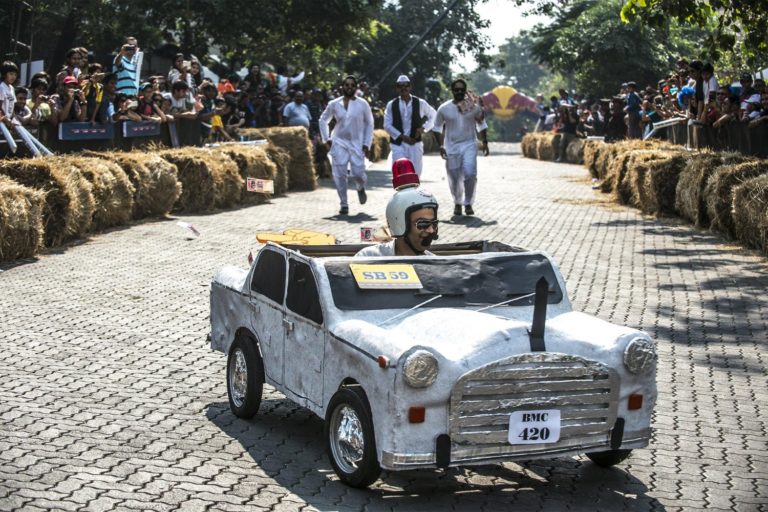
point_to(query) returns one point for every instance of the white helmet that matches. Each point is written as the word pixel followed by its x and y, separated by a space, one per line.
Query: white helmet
pixel 403 203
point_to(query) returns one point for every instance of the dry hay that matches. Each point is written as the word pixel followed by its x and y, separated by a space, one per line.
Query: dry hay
pixel 69 203
pixel 21 220
pixel 282 160
pixel 719 192
pixel 322 162
pixel 575 151
pixel 380 146
pixel 112 190
pixel 605 156
pixel 294 140
pixel 689 197
pixel 750 212
pixel 528 144
pixel 661 184
pixel 155 181
pixel 548 146
pixel 252 162
pixel 209 179
pixel 632 188
pixel 592 149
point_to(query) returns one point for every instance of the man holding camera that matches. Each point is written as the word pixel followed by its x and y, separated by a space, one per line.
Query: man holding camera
pixel 71 102
pixel 126 67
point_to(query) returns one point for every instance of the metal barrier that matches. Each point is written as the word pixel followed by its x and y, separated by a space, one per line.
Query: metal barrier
pixel 735 136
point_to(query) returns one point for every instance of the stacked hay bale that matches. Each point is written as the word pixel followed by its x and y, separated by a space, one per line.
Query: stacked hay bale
pixel 750 212
pixel 112 190
pixel 380 146
pixel 252 162
pixel 295 140
pixel 209 179
pixel 592 150
pixel 282 160
pixel 660 184
pixel 530 144
pixel 689 197
pixel 548 146
pixel 574 153
pixel 21 220
pixel 719 192
pixel 69 203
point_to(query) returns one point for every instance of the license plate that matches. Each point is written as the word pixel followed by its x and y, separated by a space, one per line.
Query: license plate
pixel 534 427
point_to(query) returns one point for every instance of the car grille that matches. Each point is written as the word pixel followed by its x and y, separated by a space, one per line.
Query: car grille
pixel 584 391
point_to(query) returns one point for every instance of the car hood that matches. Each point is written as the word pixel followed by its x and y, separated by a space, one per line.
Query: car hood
pixel 460 334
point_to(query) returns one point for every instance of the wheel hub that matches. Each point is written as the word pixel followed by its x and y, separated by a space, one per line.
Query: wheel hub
pixel 348 441
pixel 238 381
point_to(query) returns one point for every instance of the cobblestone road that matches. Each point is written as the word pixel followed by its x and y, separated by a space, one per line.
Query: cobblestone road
pixel 110 398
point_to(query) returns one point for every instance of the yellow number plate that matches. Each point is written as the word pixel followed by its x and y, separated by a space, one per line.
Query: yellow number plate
pixel 385 276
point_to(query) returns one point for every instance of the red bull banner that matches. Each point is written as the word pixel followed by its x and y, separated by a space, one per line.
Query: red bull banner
pixel 84 131
pixel 504 101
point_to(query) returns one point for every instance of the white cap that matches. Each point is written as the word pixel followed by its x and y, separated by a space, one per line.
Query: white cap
pixel 403 79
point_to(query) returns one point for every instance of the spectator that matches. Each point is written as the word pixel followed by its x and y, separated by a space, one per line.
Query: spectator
pixel 195 74
pixel 182 107
pixel 316 105
pixel 208 110
pixel 709 81
pixel 124 109
pixel 633 107
pixel 763 117
pixel 71 103
pixel 276 110
pixel 96 111
pixel 648 116
pixel 71 67
pixel 255 79
pixel 39 103
pixel 262 106
pixel 568 123
pixel 746 91
pixel 226 86
pixel 754 105
pixel 8 74
pixel 21 112
pixel 126 67
pixel 147 108
pixel 231 116
pixel 296 113
pixel 615 128
pixel 179 70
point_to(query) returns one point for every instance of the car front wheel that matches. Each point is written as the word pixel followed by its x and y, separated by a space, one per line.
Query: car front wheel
pixel 608 458
pixel 245 378
pixel 350 440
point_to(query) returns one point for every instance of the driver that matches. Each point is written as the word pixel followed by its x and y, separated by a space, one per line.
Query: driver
pixel 412 220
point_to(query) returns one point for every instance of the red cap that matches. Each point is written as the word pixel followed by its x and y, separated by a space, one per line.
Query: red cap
pixel 403 174
pixel 69 80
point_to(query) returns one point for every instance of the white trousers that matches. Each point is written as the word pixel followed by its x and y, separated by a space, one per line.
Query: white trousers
pixel 462 174
pixel 340 175
pixel 412 152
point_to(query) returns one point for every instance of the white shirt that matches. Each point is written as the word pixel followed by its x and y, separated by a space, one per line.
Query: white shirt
pixel 354 124
pixel 7 99
pixel 460 128
pixel 709 86
pixel 406 112
pixel 385 249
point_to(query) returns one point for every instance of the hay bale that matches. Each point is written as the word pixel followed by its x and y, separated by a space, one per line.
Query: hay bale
pixel 154 180
pixel 21 220
pixel 282 160
pixel 209 179
pixel 719 192
pixel 689 197
pixel 548 146
pixel 252 162
pixel 592 149
pixel 294 140
pixel 529 144
pixel 604 158
pixel 69 203
pixel 750 212
pixel 661 184
pixel 322 162
pixel 632 188
pixel 574 153
pixel 112 190
pixel 380 146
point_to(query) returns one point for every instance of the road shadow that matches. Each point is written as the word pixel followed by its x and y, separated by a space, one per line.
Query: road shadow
pixel 285 441
pixel 356 218
pixel 470 221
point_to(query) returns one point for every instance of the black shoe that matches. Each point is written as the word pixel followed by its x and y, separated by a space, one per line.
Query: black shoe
pixel 361 195
pixel 344 210
pixel 457 209
pixel 468 210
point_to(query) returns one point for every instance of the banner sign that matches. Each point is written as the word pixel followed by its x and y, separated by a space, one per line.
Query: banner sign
pixel 259 185
pixel 140 129
pixel 84 131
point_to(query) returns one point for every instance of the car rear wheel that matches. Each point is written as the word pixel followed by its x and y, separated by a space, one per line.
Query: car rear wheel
pixel 245 378
pixel 350 441
pixel 608 458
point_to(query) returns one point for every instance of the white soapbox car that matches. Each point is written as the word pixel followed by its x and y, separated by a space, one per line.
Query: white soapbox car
pixel 470 356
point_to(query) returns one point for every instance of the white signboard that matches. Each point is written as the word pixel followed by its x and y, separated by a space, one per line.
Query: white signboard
pixel 259 185
pixel 534 427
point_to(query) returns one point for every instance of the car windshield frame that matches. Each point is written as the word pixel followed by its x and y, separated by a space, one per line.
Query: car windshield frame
pixel 462 282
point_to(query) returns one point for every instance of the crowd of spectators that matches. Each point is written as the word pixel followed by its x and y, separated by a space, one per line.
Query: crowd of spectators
pixel 86 91
pixel 692 94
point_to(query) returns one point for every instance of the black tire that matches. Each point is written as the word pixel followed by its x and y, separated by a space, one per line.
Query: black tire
pixel 245 378
pixel 609 458
pixel 359 467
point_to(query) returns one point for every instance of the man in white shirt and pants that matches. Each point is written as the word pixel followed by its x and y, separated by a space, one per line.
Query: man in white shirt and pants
pixel 352 136
pixel 405 128
pixel 457 123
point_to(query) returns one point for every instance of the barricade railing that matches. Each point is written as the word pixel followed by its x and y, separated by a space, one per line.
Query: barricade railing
pixel 734 136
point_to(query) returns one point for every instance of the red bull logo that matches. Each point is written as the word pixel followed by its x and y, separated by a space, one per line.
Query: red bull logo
pixel 504 101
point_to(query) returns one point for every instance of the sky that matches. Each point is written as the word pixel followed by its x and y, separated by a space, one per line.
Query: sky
pixel 506 20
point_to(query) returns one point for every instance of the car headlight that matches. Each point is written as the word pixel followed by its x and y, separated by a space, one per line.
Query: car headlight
pixel 639 355
pixel 420 369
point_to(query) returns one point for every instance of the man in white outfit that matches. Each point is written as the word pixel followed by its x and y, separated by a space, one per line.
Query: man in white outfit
pixel 406 118
pixel 352 136
pixel 457 123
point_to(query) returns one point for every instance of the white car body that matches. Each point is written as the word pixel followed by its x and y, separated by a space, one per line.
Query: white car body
pixel 486 368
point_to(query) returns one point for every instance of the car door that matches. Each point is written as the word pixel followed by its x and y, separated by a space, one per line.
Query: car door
pixel 304 333
pixel 267 309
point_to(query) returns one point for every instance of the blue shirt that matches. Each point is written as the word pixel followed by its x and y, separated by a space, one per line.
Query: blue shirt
pixel 126 77
pixel 297 114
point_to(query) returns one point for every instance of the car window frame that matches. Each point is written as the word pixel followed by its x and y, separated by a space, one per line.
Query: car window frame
pixel 313 274
pixel 261 256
